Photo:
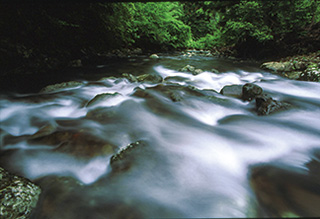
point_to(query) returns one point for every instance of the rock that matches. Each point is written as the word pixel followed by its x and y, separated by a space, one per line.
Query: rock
pixel 197 71
pixel 214 71
pixel 123 159
pixel 76 143
pixel 284 191
pixel 265 105
pixel 250 91
pixel 154 78
pixel 232 91
pixel 61 86
pixel 102 114
pixel 154 56
pixel 44 131
pixel 101 98
pixel 188 68
pixel 278 66
pixel 130 77
pixel 18 196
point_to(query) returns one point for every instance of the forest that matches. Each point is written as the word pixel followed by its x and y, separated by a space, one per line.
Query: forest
pixel 40 36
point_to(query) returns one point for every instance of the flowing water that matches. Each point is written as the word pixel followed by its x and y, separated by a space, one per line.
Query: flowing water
pixel 199 151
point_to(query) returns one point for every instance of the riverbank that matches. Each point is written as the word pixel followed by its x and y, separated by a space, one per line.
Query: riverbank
pixel 299 67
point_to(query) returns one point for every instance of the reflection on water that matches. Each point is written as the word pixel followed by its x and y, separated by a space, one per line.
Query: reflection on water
pixel 200 148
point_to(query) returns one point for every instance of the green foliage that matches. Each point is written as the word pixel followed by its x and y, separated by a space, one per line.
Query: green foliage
pixel 158 24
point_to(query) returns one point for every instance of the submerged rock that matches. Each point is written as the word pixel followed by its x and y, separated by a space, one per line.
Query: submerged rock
pixel 18 196
pixel 76 143
pixel 61 86
pixel 284 191
pixel 123 159
pixel 265 105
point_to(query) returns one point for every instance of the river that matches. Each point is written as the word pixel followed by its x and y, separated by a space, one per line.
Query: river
pixel 198 153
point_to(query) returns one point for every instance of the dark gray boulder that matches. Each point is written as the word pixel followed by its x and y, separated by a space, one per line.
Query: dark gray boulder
pixel 250 91
pixel 265 105
pixel 18 196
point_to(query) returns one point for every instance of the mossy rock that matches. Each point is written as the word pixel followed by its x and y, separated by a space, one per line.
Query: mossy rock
pixel 123 159
pixel 18 196
pixel 61 86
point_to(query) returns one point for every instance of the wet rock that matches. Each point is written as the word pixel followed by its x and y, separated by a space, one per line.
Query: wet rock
pixel 101 98
pixel 102 114
pixel 197 71
pixel 44 131
pixel 250 91
pixel 18 196
pixel 123 159
pixel 61 86
pixel 154 56
pixel 149 78
pixel 188 68
pixel 153 78
pixel 214 71
pixel 58 191
pixel 191 69
pixel 76 143
pixel 232 91
pixel 265 105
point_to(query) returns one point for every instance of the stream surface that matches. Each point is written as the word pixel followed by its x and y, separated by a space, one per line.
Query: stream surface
pixel 199 151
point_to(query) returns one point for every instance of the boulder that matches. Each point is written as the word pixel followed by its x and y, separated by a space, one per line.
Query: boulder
pixel 250 91
pixel 265 105
pixel 153 78
pixel 154 56
pixel 188 68
pixel 18 196
pixel 214 71
pixel 197 71
pixel 284 191
pixel 232 91
pixel 123 159
pixel 61 86
pixel 101 98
